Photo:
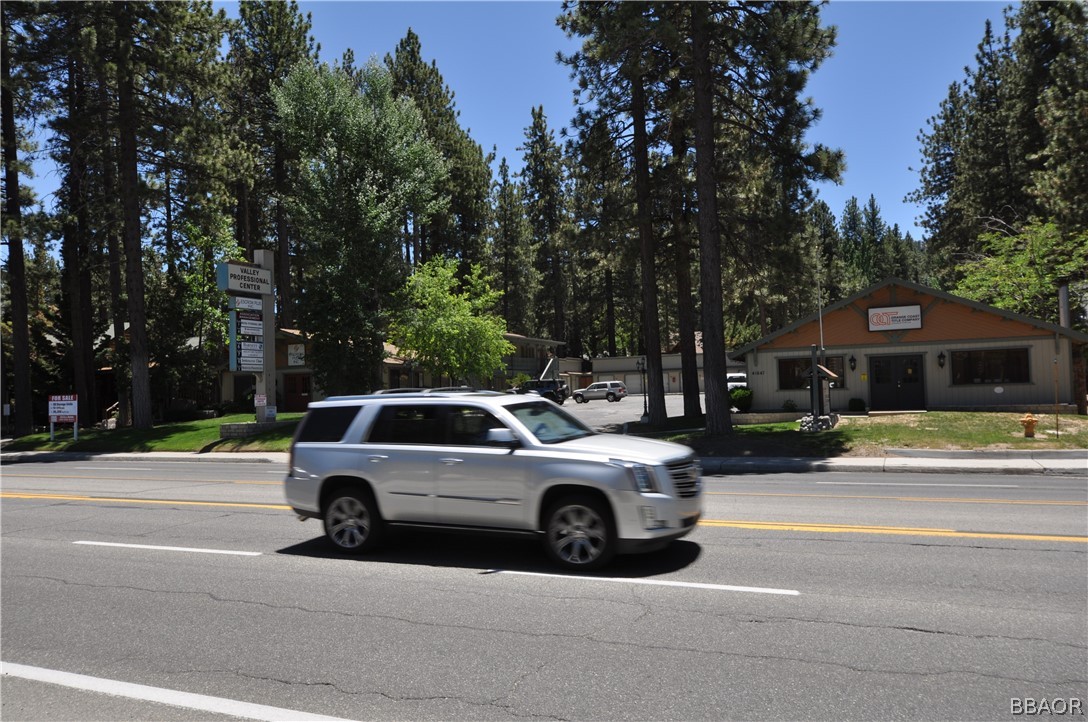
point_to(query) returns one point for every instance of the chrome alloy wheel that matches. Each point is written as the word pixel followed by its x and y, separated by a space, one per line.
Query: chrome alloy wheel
pixel 577 535
pixel 348 523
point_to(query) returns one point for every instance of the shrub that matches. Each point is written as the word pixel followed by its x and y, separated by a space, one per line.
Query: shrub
pixel 789 405
pixel 742 399
pixel 855 404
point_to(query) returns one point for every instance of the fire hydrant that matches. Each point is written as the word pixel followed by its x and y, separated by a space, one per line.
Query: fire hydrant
pixel 1028 422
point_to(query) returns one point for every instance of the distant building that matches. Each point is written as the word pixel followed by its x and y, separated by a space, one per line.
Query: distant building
pixel 901 346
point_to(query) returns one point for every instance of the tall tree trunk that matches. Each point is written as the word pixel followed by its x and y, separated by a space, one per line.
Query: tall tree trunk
pixel 283 246
pixel 651 329
pixel 115 257
pixel 75 251
pixel 134 272
pixel 20 321
pixel 685 306
pixel 610 311
pixel 718 418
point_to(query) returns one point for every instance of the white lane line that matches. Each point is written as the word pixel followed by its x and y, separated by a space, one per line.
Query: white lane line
pixel 656 582
pixel 111 468
pixel 172 697
pixel 170 549
pixel 892 483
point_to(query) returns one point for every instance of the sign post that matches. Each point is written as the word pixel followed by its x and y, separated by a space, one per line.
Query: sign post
pixel 252 325
pixel 64 409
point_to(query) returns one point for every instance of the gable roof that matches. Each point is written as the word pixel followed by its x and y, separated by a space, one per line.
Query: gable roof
pixel 1040 327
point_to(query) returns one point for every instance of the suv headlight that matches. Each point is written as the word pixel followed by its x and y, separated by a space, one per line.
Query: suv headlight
pixel 641 476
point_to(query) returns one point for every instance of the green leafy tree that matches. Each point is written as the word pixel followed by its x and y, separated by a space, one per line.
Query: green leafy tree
pixel 448 326
pixel 1020 270
pixel 366 163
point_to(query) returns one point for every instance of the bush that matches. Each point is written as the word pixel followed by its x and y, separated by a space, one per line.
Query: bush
pixel 855 404
pixel 789 405
pixel 742 399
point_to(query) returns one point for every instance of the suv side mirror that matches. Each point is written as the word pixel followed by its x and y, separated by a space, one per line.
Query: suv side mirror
pixel 502 437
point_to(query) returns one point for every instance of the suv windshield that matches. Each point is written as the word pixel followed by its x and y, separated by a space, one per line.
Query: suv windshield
pixel 549 424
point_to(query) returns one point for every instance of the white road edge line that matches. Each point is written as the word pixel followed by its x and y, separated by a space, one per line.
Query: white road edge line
pixel 656 582
pixel 891 483
pixel 111 468
pixel 169 549
pixel 188 700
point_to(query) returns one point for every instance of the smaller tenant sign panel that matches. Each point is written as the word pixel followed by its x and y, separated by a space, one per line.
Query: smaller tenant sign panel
pixel 895 318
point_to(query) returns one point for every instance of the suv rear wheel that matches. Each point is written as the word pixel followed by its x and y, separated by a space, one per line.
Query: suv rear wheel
pixel 579 533
pixel 611 396
pixel 352 522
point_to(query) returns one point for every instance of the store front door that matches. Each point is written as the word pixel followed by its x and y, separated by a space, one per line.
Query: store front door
pixel 896 383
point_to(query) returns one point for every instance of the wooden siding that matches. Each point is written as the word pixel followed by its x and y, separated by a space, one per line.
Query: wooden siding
pixel 942 321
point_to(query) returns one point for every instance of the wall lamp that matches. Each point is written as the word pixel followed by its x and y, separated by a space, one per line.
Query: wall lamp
pixel 940 359
pixel 853 362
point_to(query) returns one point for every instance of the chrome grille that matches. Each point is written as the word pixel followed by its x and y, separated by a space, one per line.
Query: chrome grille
pixel 685 478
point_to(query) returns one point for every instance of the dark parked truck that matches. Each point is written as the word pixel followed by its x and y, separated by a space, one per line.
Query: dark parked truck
pixel 551 389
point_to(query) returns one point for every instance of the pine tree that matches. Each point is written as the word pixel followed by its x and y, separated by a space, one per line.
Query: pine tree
pixel 543 185
pixel 269 40
pixel 459 230
pixel 513 254
pixel 11 40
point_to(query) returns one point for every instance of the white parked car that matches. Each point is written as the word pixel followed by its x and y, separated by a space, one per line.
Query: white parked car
pixel 736 381
pixel 610 390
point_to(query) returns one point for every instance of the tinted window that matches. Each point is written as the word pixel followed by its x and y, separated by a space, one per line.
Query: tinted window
pixel 415 424
pixel 468 425
pixel 990 366
pixel 328 424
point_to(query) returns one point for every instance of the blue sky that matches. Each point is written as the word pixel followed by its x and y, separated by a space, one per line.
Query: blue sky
pixel 891 69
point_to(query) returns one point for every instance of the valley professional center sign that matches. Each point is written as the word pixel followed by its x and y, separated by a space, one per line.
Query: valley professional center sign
pixel 245 280
pixel 895 318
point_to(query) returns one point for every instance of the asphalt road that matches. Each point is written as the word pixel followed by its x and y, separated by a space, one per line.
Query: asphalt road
pixel 815 596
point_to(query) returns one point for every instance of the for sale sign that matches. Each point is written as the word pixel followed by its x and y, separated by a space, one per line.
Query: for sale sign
pixel 64 409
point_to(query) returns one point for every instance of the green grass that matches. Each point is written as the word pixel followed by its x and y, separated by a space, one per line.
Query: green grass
pixel 871 436
pixel 200 435
pixel 854 436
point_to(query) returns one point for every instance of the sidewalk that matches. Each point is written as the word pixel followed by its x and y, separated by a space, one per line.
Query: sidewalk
pixel 917 461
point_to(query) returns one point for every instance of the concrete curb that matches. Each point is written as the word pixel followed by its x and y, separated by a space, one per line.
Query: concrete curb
pixel 882 465
pixel 1054 463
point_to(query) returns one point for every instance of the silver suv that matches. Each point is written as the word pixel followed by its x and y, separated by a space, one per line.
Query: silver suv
pixel 611 390
pixel 488 461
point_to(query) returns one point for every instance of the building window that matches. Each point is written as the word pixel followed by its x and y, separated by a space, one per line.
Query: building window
pixel 796 373
pixel 990 366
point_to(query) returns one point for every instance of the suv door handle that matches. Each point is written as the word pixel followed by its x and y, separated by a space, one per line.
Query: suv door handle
pixel 375 458
pixel 451 461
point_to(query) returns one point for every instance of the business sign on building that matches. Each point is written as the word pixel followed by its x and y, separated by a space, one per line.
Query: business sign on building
pixel 244 279
pixel 895 318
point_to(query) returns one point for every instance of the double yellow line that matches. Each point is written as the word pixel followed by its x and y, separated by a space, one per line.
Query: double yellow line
pixel 898 530
pixel 756 525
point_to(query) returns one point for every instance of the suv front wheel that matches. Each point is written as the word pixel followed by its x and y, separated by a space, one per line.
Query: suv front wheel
pixel 579 533
pixel 352 522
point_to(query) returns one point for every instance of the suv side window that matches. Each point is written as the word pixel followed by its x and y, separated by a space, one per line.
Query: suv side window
pixel 398 424
pixel 468 425
pixel 328 424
